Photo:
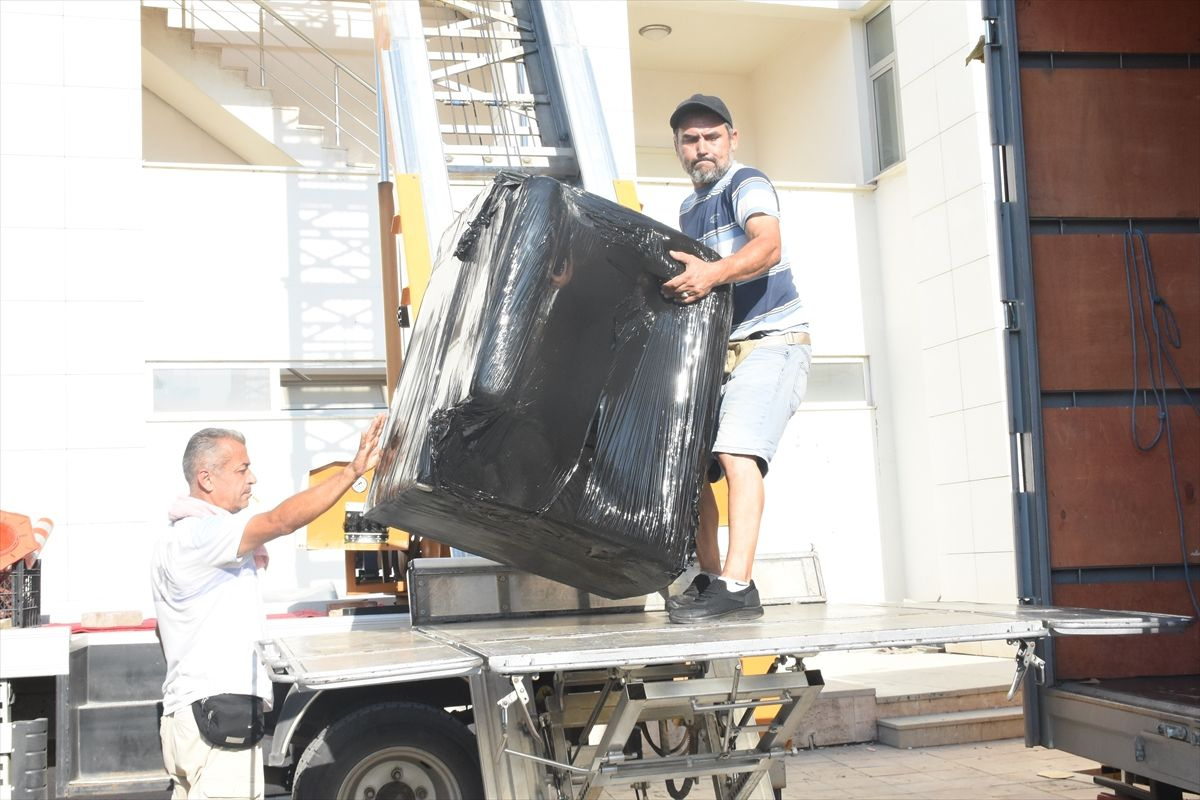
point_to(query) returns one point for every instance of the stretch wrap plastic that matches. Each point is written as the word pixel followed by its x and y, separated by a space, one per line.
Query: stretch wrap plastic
pixel 555 412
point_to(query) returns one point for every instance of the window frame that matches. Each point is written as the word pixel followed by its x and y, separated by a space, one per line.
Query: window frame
pixel 885 64
pixel 280 375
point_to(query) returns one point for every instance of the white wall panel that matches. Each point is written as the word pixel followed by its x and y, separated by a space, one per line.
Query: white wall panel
pixel 106 265
pixel 982 363
pixel 107 411
pixel 919 104
pixel 935 323
pixel 32 264
pixel 976 308
pixel 962 157
pixel 32 120
pixel 102 122
pixel 992 515
pixel 932 231
pixel 948 448
pixel 101 51
pixel 943 382
pixel 986 429
pixel 33 340
pixel 32 192
pixel 31 45
pixel 29 402
pixel 952 518
pixel 821 494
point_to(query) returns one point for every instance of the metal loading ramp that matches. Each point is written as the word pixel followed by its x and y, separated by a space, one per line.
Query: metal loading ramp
pixel 558 698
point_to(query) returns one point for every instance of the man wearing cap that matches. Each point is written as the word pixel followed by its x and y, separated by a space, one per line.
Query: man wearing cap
pixel 735 211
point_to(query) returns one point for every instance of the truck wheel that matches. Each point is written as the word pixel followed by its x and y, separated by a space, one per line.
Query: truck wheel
pixel 391 751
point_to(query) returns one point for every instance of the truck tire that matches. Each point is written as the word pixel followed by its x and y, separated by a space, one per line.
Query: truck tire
pixel 391 751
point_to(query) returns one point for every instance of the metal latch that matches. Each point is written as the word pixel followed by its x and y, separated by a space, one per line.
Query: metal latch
pixel 1026 658
pixel 519 692
pixel 1173 731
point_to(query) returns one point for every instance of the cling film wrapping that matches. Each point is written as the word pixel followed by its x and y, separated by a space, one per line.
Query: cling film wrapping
pixel 555 412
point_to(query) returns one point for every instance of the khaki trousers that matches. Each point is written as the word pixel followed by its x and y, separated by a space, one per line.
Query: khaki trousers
pixel 203 772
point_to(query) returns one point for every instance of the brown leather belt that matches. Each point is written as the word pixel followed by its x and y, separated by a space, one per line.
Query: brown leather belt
pixel 737 351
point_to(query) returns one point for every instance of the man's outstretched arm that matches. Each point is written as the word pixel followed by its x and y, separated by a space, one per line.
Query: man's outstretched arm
pixel 303 507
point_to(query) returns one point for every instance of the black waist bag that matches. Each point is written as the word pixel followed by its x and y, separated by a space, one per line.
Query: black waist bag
pixel 230 721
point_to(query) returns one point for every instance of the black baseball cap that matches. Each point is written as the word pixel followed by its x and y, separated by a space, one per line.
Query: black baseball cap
pixel 701 102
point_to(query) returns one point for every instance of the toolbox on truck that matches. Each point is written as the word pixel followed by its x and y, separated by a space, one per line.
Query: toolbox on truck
pixel 555 412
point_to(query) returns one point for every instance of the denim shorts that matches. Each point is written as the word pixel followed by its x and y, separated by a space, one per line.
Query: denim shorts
pixel 758 399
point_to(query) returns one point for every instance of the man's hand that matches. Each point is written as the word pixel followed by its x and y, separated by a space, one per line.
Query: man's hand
pixel 368 446
pixel 694 283
pixel 761 251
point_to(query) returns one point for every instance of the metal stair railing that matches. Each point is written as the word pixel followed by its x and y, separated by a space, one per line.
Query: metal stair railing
pixel 349 115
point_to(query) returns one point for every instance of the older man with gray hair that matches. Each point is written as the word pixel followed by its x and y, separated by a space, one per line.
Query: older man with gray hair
pixel 206 597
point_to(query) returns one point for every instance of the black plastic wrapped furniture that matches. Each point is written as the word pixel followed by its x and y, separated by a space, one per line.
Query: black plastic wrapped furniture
pixel 554 412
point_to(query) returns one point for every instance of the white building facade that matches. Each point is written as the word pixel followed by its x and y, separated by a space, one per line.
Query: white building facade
pixel 166 265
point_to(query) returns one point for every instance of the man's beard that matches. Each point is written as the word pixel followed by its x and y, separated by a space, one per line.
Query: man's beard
pixel 703 178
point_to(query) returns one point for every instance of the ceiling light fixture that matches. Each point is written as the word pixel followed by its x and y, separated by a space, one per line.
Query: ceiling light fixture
pixel 655 32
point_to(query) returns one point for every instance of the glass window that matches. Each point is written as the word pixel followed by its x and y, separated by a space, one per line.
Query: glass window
pixel 212 390
pixel 887 118
pixel 885 96
pixel 307 388
pixel 841 382
pixel 879 37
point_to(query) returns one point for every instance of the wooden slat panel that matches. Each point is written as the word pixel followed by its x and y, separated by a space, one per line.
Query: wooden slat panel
pixel 1107 502
pixel 1112 143
pixel 1082 657
pixel 1083 325
pixel 1109 26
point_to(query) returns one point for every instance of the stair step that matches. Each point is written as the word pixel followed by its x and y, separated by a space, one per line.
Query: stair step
pixel 945 702
pixel 957 727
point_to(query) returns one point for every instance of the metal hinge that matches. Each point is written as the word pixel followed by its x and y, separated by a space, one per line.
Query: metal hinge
pixel 1012 319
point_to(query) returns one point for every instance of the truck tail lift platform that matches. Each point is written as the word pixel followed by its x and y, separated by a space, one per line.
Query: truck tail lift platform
pixel 561 705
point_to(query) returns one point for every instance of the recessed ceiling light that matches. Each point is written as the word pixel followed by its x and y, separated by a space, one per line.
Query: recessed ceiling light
pixel 655 32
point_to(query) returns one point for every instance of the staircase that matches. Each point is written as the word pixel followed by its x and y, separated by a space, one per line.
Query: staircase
pixel 980 714
pixel 203 81
pixel 912 699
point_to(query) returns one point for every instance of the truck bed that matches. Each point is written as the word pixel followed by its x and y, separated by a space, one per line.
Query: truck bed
pixel 386 649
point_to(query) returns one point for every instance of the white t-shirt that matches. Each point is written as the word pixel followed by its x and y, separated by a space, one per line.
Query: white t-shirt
pixel 209 610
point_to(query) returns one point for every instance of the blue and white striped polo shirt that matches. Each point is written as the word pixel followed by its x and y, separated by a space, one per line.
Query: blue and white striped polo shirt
pixel 717 218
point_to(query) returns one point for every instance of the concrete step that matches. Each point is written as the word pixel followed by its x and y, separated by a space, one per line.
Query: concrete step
pixel 889 706
pixel 864 689
pixel 956 727
pixel 839 716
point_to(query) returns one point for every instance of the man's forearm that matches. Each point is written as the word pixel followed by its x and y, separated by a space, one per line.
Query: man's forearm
pixel 296 511
pixel 756 257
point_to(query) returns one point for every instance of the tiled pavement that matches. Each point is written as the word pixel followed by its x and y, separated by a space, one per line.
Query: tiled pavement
pixel 1002 769
pixel 981 771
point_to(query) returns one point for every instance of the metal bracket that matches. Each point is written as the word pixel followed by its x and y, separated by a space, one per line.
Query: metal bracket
pixel 520 696
pixel 519 692
pixel 1026 658
pixel 1012 316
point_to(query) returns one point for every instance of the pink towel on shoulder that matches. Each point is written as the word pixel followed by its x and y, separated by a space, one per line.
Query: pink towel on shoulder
pixel 188 506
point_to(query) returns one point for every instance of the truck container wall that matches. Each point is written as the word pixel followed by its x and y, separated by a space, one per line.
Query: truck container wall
pixel 1096 127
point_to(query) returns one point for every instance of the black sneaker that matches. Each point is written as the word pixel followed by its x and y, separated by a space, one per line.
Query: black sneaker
pixel 718 602
pixel 689 595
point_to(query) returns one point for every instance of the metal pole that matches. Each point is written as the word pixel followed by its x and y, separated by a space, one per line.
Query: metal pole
pixel 381 121
pixel 262 55
pixel 337 107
